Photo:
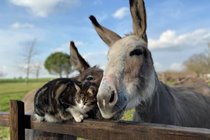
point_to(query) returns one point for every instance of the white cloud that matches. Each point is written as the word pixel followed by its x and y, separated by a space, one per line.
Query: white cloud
pixel 176 67
pixel 121 13
pixel 43 8
pixel 170 40
pixel 18 25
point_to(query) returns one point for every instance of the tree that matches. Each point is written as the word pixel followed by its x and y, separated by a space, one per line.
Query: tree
pixel 36 68
pixel 28 55
pixel 58 63
pixel 198 63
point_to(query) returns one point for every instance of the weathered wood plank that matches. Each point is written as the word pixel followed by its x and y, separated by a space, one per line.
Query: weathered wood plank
pixel 4 119
pixel 108 130
pixel 42 136
pixel 99 130
pixel 16 120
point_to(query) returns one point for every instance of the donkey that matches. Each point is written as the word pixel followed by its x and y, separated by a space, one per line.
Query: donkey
pixel 87 74
pixel 130 81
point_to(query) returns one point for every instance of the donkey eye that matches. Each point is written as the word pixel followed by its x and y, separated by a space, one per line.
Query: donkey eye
pixel 90 77
pixel 136 52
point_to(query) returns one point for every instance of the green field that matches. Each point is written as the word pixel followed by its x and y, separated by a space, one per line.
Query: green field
pixel 16 89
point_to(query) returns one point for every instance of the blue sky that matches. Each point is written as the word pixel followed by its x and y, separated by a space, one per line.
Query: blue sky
pixel 176 29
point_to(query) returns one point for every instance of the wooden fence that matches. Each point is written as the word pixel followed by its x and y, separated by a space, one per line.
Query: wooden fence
pixel 98 130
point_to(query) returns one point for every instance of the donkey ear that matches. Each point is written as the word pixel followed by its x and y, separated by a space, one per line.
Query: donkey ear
pixel 108 36
pixel 138 13
pixel 76 59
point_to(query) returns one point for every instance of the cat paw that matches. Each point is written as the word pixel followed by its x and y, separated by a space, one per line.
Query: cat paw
pixel 38 118
pixel 79 118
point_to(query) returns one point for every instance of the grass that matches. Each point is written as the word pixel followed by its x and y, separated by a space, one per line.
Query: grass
pixel 14 89
pixel 4 133
pixel 10 91
pixel 128 115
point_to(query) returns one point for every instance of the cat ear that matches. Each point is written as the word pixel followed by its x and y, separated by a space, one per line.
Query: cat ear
pixel 77 61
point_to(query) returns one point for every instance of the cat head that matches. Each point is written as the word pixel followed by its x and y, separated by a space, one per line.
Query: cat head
pixel 78 101
pixel 82 97
pixel 86 98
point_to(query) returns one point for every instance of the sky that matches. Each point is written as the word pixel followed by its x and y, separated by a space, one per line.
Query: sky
pixel 176 29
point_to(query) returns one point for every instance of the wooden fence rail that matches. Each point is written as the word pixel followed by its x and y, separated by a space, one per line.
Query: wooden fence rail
pixel 98 130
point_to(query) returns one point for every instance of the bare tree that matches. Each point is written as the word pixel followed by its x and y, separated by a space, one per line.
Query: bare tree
pixel 28 55
pixel 36 69
pixel 198 63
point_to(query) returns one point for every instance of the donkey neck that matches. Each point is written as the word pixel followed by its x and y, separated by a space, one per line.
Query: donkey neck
pixel 158 107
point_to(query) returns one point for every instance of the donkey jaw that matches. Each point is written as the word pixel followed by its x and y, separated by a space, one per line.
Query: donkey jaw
pixel 114 112
pixel 110 114
pixel 106 115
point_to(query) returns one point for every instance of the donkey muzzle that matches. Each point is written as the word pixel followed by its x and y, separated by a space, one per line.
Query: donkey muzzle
pixel 107 98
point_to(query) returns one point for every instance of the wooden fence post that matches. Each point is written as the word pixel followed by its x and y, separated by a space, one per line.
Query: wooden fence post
pixel 17 130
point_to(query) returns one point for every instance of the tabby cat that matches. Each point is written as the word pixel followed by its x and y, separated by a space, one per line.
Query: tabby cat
pixel 65 99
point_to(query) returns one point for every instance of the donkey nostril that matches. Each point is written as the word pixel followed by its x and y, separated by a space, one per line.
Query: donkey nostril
pixel 112 97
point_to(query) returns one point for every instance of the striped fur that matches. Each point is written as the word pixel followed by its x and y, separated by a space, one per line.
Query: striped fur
pixel 64 99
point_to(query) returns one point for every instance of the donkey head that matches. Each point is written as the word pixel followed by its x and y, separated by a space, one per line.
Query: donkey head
pixel 129 76
pixel 87 74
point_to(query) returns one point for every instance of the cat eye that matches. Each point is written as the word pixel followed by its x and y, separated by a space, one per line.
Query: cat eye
pixel 90 77
pixel 136 52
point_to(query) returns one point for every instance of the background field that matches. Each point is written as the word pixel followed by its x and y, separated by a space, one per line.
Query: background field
pixel 16 89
